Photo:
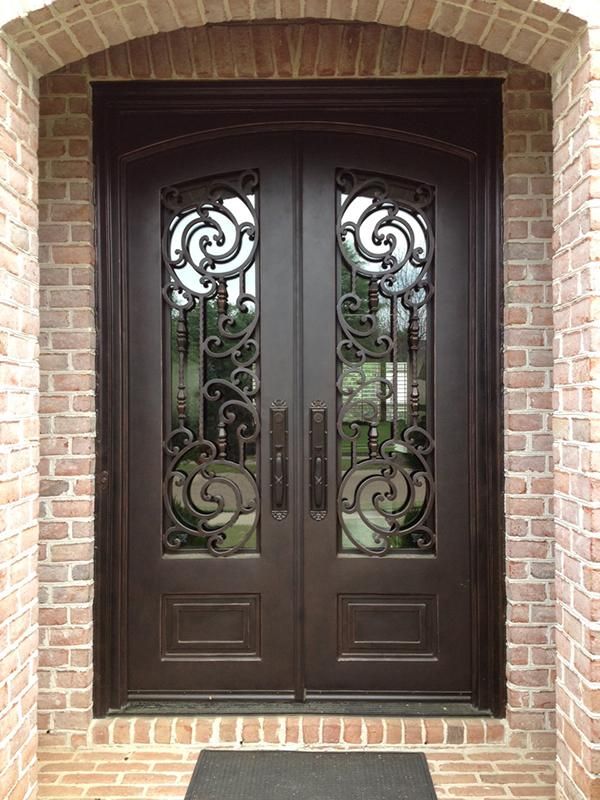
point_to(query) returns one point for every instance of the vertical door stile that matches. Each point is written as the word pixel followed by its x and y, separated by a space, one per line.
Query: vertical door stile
pixel 298 425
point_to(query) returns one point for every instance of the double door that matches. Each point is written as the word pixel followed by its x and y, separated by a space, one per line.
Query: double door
pixel 299 345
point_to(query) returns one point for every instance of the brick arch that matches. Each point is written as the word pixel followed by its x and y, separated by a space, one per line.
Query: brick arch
pixel 296 50
pixel 59 32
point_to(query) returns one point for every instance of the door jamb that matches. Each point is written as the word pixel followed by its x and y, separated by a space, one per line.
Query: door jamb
pixel 484 96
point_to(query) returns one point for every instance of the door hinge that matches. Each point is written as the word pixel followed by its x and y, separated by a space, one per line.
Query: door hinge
pixel 103 480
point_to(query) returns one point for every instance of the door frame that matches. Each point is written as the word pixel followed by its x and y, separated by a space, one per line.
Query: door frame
pixel 481 97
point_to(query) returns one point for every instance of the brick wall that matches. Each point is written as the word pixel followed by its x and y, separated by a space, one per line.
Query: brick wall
pixel 68 327
pixel 538 33
pixel 577 418
pixel 532 31
pixel 18 425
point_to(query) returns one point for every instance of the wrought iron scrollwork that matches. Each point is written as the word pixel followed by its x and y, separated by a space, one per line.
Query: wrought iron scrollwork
pixel 386 248
pixel 209 250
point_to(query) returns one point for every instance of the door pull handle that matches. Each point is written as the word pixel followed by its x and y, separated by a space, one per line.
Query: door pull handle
pixel 279 459
pixel 318 460
pixel 318 481
pixel 278 479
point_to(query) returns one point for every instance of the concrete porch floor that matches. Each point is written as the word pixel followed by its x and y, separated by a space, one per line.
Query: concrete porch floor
pixel 122 773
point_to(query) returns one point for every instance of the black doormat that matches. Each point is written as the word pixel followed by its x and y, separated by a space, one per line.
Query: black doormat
pixel 277 775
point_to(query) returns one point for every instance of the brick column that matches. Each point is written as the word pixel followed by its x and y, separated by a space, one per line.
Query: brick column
pixel 528 403
pixel 577 417
pixel 18 426
pixel 67 345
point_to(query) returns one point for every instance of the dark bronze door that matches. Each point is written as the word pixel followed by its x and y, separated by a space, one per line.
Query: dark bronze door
pixel 307 448
pixel 386 351
pixel 212 353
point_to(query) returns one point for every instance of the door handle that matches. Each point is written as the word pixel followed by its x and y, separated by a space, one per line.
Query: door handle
pixel 318 460
pixel 318 482
pixel 279 459
pixel 278 479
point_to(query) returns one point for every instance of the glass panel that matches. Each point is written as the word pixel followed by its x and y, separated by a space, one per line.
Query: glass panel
pixel 385 255
pixel 210 257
